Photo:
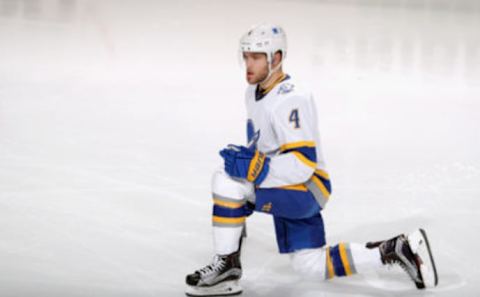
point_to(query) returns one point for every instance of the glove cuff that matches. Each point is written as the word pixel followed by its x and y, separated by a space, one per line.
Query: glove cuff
pixel 263 174
pixel 257 171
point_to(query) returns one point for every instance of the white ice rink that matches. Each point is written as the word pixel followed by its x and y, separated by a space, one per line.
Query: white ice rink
pixel 112 114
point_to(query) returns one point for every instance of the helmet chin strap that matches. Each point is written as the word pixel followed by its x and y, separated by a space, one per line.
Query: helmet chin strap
pixel 271 71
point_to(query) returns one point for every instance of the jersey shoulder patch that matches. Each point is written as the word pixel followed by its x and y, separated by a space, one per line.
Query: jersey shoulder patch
pixel 285 88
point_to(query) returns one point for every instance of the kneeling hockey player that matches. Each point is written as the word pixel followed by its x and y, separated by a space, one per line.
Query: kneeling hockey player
pixel 282 172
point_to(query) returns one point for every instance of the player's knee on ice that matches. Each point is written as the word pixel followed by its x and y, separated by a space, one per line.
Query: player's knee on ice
pixel 309 263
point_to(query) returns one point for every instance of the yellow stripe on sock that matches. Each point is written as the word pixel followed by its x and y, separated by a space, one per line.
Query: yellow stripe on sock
pixel 228 221
pixel 227 204
pixel 344 257
pixel 330 271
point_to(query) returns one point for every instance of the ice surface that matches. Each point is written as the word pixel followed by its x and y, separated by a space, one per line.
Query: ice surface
pixel 112 114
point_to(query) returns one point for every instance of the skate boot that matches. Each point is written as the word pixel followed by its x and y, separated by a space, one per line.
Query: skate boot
pixel 413 254
pixel 220 278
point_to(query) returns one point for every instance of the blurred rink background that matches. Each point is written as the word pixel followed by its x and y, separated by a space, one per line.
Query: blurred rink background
pixel 112 114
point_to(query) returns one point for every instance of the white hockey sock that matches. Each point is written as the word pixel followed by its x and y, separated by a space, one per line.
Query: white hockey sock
pixel 365 259
pixel 229 214
pixel 226 240
pixel 309 263
pixel 340 260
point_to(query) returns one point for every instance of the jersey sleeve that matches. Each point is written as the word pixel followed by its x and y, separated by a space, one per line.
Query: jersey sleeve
pixel 293 123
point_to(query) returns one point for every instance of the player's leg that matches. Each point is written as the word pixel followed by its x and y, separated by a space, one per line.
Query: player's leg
pixel 412 252
pixel 300 232
pixel 304 240
pixel 343 259
pixel 229 211
pixel 221 276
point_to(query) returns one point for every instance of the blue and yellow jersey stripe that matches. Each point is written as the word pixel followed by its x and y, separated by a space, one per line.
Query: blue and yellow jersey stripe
pixel 299 187
pixel 297 144
pixel 304 151
pixel 301 156
pixel 322 180
pixel 319 184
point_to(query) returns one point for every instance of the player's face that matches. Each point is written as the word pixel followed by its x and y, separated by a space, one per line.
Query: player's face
pixel 256 66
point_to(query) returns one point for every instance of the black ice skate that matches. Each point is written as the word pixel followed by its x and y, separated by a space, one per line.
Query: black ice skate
pixel 413 254
pixel 220 278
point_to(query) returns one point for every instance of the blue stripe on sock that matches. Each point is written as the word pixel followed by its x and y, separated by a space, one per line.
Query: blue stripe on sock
pixel 226 212
pixel 337 261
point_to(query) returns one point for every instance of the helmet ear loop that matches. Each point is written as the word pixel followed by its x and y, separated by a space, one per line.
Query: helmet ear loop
pixel 270 69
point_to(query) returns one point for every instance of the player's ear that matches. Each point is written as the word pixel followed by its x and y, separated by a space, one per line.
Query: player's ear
pixel 277 58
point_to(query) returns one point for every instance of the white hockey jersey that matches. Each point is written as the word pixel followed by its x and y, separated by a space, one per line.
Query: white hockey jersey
pixel 283 124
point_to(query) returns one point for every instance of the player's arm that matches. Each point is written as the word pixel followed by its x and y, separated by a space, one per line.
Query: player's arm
pixel 294 123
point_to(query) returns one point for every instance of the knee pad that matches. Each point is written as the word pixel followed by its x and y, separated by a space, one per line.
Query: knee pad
pixel 233 189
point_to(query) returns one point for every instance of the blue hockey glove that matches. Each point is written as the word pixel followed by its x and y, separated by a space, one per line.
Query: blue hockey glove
pixel 246 163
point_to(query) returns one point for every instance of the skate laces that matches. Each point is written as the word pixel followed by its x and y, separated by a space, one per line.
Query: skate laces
pixel 401 248
pixel 217 265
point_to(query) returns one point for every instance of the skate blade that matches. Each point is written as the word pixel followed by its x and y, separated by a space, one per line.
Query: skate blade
pixel 419 244
pixel 227 288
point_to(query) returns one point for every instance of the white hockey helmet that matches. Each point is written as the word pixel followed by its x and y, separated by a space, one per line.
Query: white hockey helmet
pixel 265 38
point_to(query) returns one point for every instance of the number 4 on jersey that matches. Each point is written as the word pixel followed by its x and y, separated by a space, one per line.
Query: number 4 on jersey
pixel 294 118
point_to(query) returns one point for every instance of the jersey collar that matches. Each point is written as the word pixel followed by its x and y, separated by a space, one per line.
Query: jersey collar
pixel 261 93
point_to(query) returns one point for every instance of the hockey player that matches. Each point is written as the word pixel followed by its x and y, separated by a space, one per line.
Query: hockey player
pixel 281 171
